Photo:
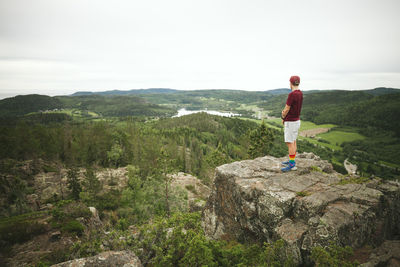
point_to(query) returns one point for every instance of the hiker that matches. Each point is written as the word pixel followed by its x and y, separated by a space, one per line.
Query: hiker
pixel 291 121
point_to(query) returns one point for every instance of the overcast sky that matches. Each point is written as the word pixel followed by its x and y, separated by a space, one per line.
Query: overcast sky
pixel 57 47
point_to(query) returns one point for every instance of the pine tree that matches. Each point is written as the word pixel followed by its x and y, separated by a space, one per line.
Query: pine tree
pixel 73 183
pixel 261 140
pixel 91 183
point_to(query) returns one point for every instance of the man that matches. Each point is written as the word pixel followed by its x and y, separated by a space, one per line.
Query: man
pixel 291 121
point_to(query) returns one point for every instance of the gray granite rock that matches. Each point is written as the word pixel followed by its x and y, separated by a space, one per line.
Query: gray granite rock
pixel 252 200
pixel 105 259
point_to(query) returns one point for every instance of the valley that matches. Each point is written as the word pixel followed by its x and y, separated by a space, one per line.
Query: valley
pixel 86 174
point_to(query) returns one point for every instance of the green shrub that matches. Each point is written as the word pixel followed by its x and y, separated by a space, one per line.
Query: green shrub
pixel 58 214
pixel 69 209
pixel 191 188
pixel 123 224
pixel 332 256
pixel 85 249
pixel 339 167
pixel 73 226
pixel 78 210
pixel 49 168
pixel 108 201
pixel 42 264
pixel 180 241
pixel 275 254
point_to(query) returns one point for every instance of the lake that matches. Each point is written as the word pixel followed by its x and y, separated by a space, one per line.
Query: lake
pixel 183 112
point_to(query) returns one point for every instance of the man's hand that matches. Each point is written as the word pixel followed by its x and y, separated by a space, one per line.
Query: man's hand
pixel 285 111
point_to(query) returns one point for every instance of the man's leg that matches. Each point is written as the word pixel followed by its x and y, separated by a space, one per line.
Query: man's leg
pixel 289 145
pixel 292 148
pixel 292 152
pixel 291 163
pixel 290 141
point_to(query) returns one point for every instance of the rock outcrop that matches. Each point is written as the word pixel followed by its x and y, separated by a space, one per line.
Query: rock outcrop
pixel 197 191
pixel 105 259
pixel 252 200
pixel 48 184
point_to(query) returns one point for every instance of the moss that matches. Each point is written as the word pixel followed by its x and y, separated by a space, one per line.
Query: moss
pixel 353 180
pixel 316 169
pixel 322 222
pixel 303 194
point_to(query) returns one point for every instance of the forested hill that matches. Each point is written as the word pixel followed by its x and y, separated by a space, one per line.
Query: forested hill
pixel 23 104
pixel 114 106
pixel 381 112
pixel 377 108
pixel 382 91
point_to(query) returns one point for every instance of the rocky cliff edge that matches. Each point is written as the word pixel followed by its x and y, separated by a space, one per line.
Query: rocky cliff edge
pixel 252 201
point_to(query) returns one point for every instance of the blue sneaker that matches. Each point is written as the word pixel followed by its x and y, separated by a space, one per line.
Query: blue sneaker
pixel 284 163
pixel 289 167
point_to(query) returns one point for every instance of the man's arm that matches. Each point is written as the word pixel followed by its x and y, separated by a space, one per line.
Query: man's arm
pixel 285 111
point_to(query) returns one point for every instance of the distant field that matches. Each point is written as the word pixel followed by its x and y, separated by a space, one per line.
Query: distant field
pixel 77 113
pixel 336 136
pixel 305 125
pixel 308 125
pixel 340 136
pixel 323 144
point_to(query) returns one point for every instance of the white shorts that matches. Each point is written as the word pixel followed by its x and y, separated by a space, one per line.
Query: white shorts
pixel 291 131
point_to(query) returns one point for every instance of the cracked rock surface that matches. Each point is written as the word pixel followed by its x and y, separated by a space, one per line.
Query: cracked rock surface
pixel 252 201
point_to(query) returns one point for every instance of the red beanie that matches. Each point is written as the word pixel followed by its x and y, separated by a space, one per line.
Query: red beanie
pixel 295 80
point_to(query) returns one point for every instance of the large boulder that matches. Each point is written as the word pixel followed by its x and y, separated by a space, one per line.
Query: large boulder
pixel 253 201
pixel 105 259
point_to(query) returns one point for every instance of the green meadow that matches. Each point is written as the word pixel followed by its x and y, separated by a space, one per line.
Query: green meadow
pixel 331 139
pixel 340 135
